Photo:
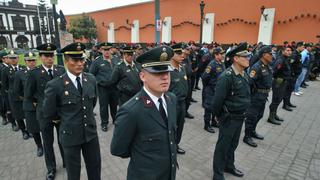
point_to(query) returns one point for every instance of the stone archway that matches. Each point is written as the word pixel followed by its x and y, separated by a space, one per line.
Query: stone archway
pixel 3 42
pixel 22 42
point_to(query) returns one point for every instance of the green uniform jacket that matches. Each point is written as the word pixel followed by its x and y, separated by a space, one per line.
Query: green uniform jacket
pixel 102 70
pixel 62 99
pixel 36 81
pixel 141 134
pixel 179 83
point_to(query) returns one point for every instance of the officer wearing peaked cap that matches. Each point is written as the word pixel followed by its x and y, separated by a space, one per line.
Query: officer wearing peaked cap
pixel 145 127
pixel 102 69
pixel 35 84
pixel 179 86
pixel 3 98
pixel 72 97
pixel 126 76
pixel 231 100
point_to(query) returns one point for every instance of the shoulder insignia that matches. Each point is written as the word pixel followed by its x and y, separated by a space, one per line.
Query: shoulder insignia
pixel 218 69
pixel 252 73
pixel 42 71
pixel 208 69
pixel 102 64
pixel 119 63
pixel 185 77
pixel 85 79
pixel 228 72
pixel 60 76
pixel 147 101
pixel 66 82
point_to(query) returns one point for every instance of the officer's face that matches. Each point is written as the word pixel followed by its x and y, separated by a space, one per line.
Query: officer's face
pixel 14 60
pixel 156 83
pixel 106 53
pixel 128 57
pixel 287 52
pixel 300 48
pixel 74 66
pixel 178 57
pixel 47 60
pixel 6 60
pixel 267 57
pixel 31 63
pixel 242 61
pixel 219 57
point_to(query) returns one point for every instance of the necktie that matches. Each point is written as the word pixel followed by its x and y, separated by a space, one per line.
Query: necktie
pixel 15 68
pixel 50 73
pixel 79 85
pixel 162 112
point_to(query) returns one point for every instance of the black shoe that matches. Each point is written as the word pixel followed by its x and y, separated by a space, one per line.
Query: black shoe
pixel 303 86
pixel 215 123
pixel 51 175
pixel 278 118
pixel 25 135
pixel 197 88
pixel 104 128
pixel 234 172
pixel 209 129
pixel 40 151
pixel 189 116
pixel 180 151
pixel 273 121
pixel 4 121
pixel 257 136
pixel 249 141
pixel 193 100
pixel 291 105
pixel 286 107
pixel 15 128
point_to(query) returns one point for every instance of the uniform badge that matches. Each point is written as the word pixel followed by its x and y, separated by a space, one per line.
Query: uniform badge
pixel 218 69
pixel 185 77
pixel 208 69
pixel 102 64
pixel 85 79
pixel 42 71
pixel 163 56
pixel 66 82
pixel 128 70
pixel 66 93
pixel 147 102
pixel 252 73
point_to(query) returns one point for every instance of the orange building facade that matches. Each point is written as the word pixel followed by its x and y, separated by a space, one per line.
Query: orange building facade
pixel 234 21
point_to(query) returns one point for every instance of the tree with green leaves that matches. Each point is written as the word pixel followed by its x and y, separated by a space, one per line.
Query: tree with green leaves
pixel 83 27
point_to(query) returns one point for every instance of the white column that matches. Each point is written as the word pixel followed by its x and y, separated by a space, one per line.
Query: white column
pixel 208 25
pixel 14 36
pixel 4 20
pixel 29 42
pixel 266 26
pixel 111 32
pixel 10 21
pixel 166 30
pixel 135 32
pixel 26 19
pixel 31 22
pixel 34 40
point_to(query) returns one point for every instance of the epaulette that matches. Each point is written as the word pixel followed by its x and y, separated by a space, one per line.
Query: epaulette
pixel 228 71
pixel 119 62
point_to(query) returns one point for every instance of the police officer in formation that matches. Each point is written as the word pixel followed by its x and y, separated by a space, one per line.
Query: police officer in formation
pixel 34 93
pixel 102 69
pixel 179 87
pixel 125 76
pixel 145 126
pixel 3 97
pixel 72 97
pixel 231 100
pixel 260 82
pixel 28 107
pixel 281 76
pixel 209 81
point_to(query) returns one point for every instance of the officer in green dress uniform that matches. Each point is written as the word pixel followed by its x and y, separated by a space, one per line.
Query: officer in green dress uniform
pixel 36 81
pixel 179 87
pixel 145 126
pixel 102 69
pixel 3 108
pixel 28 109
pixel 126 76
pixel 72 97
pixel 231 100
pixel 15 103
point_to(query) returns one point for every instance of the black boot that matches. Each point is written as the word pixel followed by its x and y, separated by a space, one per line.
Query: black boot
pixel 278 118
pixel 25 134
pixel 291 105
pixel 209 129
pixel 272 119
pixel 248 140
pixel 257 136
pixel 189 116
pixel 39 151
pixel 286 107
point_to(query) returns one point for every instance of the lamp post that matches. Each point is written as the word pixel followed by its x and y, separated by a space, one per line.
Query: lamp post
pixel 202 4
pixel 56 32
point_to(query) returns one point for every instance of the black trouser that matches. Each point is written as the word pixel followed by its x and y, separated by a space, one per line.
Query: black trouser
pixel 193 80
pixel 208 117
pixel 181 113
pixel 228 140
pixel 197 79
pixel 189 95
pixel 278 90
pixel 288 91
pixel 37 139
pixel 21 125
pixel 91 155
pixel 48 139
pixel 107 98
pixel 255 112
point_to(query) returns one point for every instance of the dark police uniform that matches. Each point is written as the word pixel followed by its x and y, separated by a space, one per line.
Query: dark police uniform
pixel 3 108
pixel 126 78
pixel 209 81
pixel 179 87
pixel 231 100
pixel 261 83
pixel 108 95
pixel 73 102
pixel 34 92
pixel 281 76
pixel 143 131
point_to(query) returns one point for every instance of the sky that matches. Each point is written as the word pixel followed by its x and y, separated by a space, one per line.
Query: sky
pixel 80 6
